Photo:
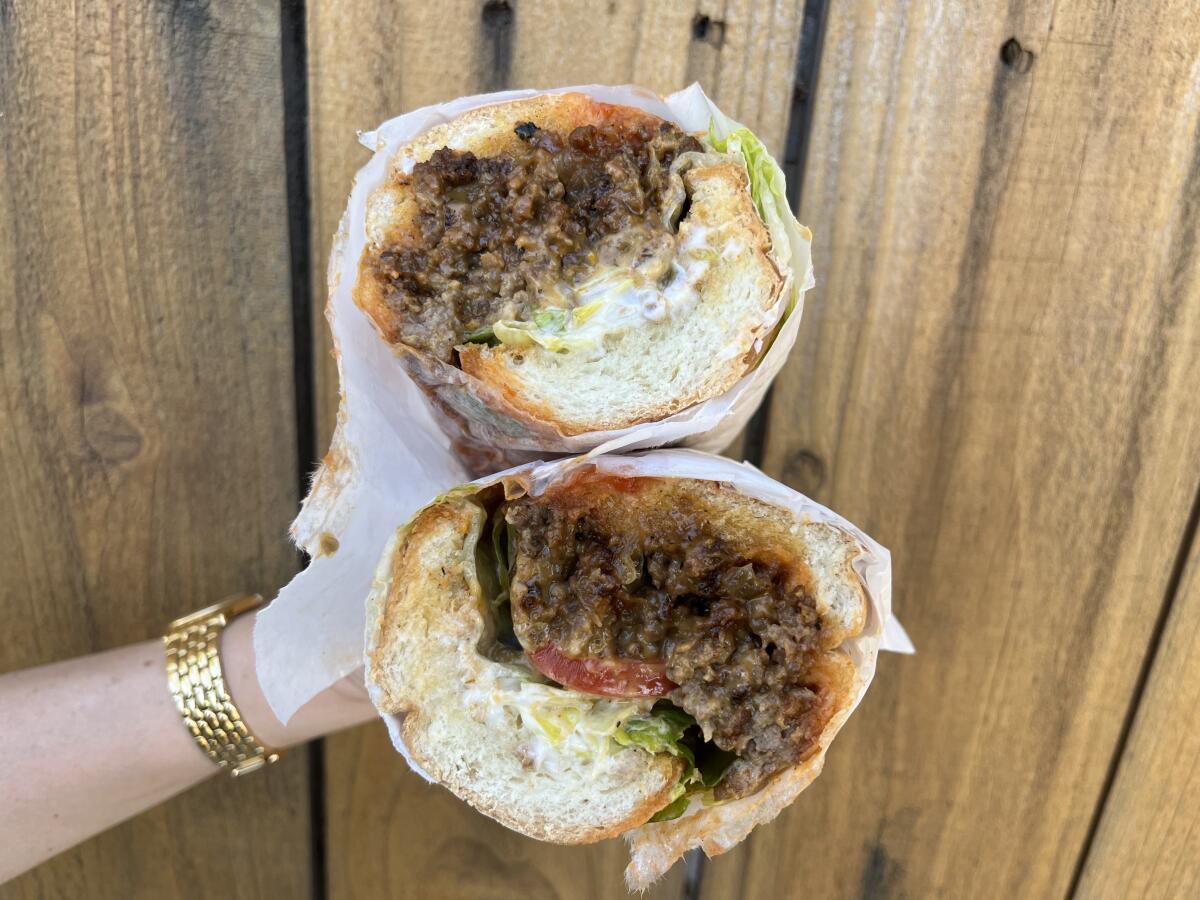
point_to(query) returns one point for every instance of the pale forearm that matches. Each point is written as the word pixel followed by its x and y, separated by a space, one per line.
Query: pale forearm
pixel 87 743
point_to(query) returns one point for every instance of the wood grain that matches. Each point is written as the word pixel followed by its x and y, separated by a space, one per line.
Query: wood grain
pixel 1148 840
pixel 369 60
pixel 997 378
pixel 147 451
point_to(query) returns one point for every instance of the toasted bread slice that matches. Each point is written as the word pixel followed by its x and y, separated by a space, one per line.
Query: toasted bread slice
pixel 640 373
pixel 428 631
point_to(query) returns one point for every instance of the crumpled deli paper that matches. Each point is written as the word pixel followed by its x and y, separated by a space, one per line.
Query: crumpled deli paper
pixel 390 454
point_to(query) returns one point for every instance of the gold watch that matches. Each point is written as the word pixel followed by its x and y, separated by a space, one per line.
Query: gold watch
pixel 201 696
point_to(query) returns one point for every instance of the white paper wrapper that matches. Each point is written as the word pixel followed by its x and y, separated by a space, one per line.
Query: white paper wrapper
pixel 389 455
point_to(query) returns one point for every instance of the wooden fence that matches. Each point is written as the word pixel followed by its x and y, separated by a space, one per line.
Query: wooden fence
pixel 998 376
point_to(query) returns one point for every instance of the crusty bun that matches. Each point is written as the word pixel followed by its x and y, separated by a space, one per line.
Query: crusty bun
pixel 429 631
pixel 639 373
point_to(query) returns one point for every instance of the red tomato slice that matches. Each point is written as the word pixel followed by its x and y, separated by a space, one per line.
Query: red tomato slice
pixel 607 677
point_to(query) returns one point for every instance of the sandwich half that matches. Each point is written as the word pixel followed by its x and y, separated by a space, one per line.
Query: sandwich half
pixel 660 657
pixel 554 266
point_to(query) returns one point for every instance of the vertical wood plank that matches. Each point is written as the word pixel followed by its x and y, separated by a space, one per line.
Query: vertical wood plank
pixel 1147 843
pixel 389 834
pixel 147 452
pixel 997 378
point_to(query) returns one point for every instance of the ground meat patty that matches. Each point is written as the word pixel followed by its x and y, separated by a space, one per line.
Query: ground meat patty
pixel 737 634
pixel 495 232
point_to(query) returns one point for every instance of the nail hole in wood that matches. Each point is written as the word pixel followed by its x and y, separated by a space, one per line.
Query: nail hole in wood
pixel 710 31
pixel 1016 57
pixel 805 471
pixel 497 14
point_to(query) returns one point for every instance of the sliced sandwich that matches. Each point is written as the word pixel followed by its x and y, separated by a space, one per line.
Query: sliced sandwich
pixel 611 654
pixel 555 265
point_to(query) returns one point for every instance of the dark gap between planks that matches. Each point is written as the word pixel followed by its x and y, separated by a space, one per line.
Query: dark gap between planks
pixel 795 156
pixel 1179 567
pixel 294 80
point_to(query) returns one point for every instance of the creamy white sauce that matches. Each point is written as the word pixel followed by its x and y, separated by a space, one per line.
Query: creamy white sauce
pixel 628 300
pixel 559 729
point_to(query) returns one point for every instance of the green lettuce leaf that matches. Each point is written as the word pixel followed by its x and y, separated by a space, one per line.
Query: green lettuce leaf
pixel 568 720
pixel 676 808
pixel 502 541
pixel 483 335
pixel 503 546
pixel 659 732
pixel 791 242
pixel 665 730
pixel 767 186
pixel 552 319
pixel 553 327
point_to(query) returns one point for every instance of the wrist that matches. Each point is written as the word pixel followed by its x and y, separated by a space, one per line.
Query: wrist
pixel 342 705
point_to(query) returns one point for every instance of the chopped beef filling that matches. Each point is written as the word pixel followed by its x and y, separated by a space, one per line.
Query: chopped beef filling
pixel 494 233
pixel 612 579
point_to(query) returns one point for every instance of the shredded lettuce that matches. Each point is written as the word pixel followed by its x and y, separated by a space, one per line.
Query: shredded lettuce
pixel 661 731
pixel 592 729
pixel 495 553
pixel 482 335
pixel 612 298
pixel 500 559
pixel 552 327
pixel 767 186
pixel 560 329
pixel 680 801
pixel 580 315
pixel 569 721
pixel 503 547
pixel 552 319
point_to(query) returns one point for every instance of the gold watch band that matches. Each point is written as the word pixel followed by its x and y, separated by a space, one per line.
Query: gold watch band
pixel 201 696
